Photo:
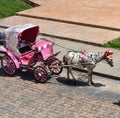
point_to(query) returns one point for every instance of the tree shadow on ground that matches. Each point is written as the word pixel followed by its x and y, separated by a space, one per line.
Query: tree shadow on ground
pixel 117 103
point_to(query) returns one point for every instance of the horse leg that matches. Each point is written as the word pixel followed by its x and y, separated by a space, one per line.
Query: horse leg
pixel 74 80
pixel 68 72
pixel 72 74
pixel 90 82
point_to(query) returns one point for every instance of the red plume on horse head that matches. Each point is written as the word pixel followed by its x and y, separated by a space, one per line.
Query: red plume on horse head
pixel 108 57
pixel 108 52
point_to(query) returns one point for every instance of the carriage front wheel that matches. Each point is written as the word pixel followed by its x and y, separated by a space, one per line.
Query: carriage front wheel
pixel 40 74
pixel 8 65
pixel 55 66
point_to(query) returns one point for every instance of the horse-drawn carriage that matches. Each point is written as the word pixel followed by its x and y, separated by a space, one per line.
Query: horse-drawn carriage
pixel 22 51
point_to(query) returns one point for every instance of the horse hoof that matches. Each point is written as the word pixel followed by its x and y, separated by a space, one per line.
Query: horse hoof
pixel 90 84
pixel 79 78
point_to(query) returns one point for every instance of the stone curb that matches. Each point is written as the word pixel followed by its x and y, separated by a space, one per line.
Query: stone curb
pixel 71 22
pixel 33 4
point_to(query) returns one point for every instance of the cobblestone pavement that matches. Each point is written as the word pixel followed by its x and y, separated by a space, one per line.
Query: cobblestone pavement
pixel 22 97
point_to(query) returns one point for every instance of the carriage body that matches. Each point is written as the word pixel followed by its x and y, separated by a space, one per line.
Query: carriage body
pixel 22 50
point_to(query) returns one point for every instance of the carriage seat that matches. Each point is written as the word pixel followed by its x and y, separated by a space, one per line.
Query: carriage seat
pixel 24 49
pixel 26 53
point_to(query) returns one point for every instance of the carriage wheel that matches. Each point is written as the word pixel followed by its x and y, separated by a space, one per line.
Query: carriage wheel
pixel 55 67
pixel 40 74
pixel 8 65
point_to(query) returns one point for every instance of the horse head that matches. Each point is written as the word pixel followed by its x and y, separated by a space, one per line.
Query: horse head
pixel 109 58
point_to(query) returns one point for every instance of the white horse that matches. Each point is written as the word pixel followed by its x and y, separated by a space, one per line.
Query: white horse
pixel 86 60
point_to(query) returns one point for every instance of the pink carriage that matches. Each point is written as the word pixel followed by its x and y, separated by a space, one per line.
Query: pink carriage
pixel 22 51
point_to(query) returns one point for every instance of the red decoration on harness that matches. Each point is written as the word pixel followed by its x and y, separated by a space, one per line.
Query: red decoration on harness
pixel 82 55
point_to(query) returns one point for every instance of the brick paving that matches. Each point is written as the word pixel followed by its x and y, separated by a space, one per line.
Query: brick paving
pixel 21 97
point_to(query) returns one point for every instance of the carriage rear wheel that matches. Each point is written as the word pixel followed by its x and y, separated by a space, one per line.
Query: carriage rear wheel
pixel 55 67
pixel 40 74
pixel 8 65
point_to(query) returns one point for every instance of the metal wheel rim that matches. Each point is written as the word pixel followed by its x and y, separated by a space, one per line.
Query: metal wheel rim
pixel 40 74
pixel 8 65
pixel 54 67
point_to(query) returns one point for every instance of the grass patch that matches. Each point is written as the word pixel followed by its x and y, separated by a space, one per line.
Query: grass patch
pixel 114 44
pixel 10 7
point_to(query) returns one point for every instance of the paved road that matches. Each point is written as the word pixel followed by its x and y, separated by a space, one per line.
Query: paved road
pixel 22 97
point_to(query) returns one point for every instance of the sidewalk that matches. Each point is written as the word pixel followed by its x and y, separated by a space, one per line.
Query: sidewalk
pixel 66 31
pixel 69 21
pixel 97 13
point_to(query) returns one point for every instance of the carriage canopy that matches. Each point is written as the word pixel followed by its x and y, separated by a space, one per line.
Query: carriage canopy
pixel 26 32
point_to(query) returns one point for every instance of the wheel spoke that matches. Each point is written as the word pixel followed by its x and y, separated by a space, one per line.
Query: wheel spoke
pixel 40 74
pixel 8 65
pixel 55 67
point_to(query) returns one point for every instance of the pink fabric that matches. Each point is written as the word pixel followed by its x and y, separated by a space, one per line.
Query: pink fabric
pixel 25 58
pixel 46 48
